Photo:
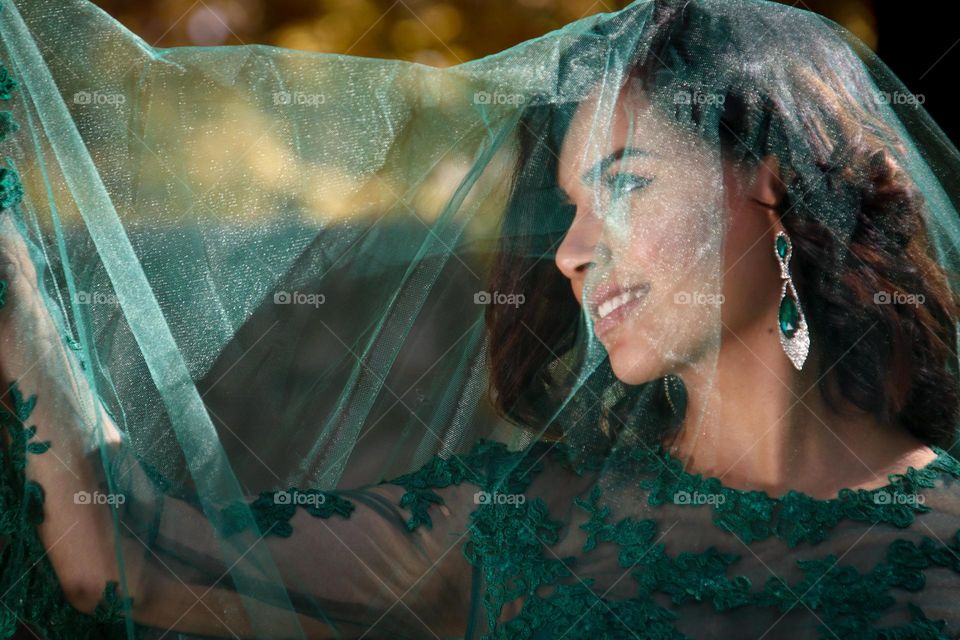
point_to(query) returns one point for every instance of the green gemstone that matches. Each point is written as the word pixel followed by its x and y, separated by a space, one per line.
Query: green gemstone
pixel 781 247
pixel 788 316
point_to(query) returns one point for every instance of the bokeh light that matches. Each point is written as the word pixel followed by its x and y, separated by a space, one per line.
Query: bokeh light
pixel 436 33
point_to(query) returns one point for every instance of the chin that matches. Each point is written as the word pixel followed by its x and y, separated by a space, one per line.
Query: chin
pixel 632 364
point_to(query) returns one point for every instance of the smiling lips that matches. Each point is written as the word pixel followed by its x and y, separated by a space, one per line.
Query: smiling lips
pixel 611 304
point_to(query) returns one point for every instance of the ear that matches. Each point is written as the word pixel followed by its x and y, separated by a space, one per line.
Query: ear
pixel 767 187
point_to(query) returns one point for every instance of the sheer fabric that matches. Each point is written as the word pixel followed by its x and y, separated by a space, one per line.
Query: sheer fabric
pixel 269 317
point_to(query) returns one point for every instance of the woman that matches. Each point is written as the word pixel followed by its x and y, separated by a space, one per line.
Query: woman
pixel 695 178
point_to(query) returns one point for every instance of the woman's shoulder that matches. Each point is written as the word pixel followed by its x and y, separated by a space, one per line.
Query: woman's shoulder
pixel 489 468
pixel 487 464
pixel 935 486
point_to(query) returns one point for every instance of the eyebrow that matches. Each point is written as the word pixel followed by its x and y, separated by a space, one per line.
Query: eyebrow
pixel 591 175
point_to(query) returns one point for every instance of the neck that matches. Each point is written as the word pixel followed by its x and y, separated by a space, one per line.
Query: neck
pixel 761 424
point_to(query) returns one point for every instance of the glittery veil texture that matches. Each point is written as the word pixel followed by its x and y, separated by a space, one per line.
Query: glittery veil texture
pixel 312 364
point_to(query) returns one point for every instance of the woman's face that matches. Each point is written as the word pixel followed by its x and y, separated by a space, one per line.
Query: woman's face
pixel 656 219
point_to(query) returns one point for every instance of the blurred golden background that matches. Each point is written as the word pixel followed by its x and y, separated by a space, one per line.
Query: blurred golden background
pixel 919 45
pixel 434 32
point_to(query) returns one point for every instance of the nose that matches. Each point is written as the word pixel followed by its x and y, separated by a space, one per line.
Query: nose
pixel 577 251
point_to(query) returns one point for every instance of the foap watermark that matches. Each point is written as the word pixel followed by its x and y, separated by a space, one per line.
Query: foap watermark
pixel 300 498
pixel 696 497
pixel 899 297
pixel 485 97
pixel 97 297
pixel 99 98
pixel 899 97
pixel 298 98
pixel 98 497
pixel 894 497
pixel 696 97
pixel 698 298
pixel 498 297
pixel 495 497
pixel 299 297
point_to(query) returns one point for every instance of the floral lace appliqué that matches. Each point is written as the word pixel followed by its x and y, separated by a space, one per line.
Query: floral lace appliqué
pixel 794 517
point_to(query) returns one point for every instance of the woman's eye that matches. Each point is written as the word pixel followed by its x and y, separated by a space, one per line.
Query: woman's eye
pixel 623 183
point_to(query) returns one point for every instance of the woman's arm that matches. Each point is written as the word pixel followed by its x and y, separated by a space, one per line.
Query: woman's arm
pixel 35 364
pixel 360 571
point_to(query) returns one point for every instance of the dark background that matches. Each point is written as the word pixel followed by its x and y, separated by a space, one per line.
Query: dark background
pixel 920 45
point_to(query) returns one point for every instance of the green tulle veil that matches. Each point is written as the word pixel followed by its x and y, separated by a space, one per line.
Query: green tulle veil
pixel 278 271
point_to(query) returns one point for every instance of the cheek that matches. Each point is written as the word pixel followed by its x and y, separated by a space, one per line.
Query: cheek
pixel 678 245
pixel 676 242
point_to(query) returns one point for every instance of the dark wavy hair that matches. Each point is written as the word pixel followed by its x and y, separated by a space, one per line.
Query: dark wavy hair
pixel 854 214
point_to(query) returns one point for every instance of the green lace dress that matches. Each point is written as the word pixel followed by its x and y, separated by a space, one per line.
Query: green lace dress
pixel 503 544
pixel 527 544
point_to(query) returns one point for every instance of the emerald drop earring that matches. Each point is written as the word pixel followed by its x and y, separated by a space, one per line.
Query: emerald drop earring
pixel 794 334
